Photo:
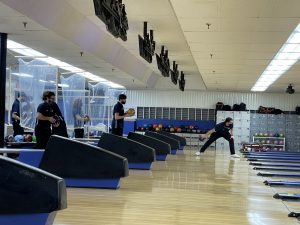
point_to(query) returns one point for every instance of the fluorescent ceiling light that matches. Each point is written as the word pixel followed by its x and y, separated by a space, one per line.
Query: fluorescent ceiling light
pixel 23 50
pixel 31 53
pixel 22 74
pixel 63 85
pixel 286 57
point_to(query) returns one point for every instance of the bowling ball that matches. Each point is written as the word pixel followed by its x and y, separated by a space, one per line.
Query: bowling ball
pixel 10 138
pixel 194 131
pixel 281 135
pixel 178 130
pixel 167 129
pixel 275 142
pixel 281 142
pixel 157 129
pixel 28 138
pixel 256 135
pixel 275 149
pixel 145 125
pixel 202 137
pixel 142 128
pixel 131 112
pixel 172 130
pixel 261 134
pixel 155 126
pixel 266 134
pixel 170 126
pixel 33 138
pixel 57 121
pixel 268 142
pixel 191 127
pixel 160 126
pixel 19 138
pixel 87 118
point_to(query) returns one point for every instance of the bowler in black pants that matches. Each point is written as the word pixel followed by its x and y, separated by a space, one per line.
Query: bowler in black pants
pixel 224 130
pixel 119 116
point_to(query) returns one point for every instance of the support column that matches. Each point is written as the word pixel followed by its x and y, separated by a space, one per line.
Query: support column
pixel 3 50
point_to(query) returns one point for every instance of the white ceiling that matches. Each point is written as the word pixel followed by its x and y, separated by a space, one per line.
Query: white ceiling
pixel 243 37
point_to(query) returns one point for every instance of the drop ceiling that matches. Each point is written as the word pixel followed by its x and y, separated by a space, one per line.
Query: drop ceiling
pixel 243 37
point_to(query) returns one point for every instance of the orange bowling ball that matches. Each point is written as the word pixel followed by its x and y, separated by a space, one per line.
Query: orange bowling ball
pixel 131 112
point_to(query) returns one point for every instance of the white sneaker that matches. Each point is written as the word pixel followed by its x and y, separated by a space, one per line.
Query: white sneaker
pixel 198 153
pixel 235 156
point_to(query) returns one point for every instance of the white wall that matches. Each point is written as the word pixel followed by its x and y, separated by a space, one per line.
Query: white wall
pixel 199 99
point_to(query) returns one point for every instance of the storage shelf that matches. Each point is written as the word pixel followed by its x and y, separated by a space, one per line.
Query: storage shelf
pixel 272 145
pixel 270 137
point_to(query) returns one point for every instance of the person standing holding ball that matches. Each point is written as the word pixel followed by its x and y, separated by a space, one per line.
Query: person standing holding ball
pixel 119 116
pixel 225 130
pixel 45 118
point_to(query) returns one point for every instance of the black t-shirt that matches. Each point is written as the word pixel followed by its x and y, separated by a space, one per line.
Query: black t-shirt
pixel 118 108
pixel 222 128
pixel 15 109
pixel 46 110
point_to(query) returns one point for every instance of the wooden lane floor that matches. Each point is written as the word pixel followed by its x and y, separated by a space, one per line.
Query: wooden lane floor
pixel 185 190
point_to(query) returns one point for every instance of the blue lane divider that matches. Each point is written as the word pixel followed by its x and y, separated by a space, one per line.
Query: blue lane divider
pixel 161 157
pixel 140 166
pixel 278 175
pixel 274 157
pixel 93 183
pixel 173 151
pixel 31 157
pixel 28 219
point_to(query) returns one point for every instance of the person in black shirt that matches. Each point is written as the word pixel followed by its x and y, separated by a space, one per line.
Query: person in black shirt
pixel 45 117
pixel 79 119
pixel 61 129
pixel 225 130
pixel 118 116
pixel 15 114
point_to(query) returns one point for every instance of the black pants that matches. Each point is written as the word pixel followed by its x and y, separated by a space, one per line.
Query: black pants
pixel 117 131
pixel 18 130
pixel 43 135
pixel 79 132
pixel 216 136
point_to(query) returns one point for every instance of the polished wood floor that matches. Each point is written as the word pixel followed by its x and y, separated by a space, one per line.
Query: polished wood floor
pixel 184 190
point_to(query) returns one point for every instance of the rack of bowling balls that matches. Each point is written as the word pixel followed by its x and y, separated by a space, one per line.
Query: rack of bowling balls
pixel 20 140
pixel 171 128
pixel 270 141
